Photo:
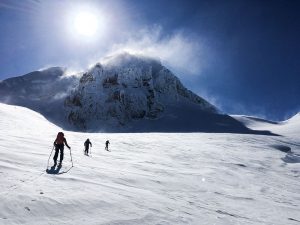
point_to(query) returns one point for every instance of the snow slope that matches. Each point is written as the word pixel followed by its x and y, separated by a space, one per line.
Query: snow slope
pixel 288 128
pixel 149 178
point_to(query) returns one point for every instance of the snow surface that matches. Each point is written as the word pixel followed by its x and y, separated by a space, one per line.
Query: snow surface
pixel 288 128
pixel 149 178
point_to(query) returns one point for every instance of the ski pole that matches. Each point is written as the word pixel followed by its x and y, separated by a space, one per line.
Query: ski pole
pixel 49 157
pixel 71 156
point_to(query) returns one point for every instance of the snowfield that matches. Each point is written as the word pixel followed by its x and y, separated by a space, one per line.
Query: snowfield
pixel 148 178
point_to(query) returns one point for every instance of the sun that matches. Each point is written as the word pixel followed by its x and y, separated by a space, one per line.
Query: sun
pixel 86 24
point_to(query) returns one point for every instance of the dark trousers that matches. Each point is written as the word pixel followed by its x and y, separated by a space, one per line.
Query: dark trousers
pixel 57 149
pixel 86 149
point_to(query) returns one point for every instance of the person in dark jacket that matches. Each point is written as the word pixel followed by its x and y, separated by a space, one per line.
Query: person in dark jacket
pixel 106 145
pixel 59 144
pixel 87 144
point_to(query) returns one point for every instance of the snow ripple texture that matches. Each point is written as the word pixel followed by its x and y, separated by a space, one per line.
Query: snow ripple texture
pixel 147 178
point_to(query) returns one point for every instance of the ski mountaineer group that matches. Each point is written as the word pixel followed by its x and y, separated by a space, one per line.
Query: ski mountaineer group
pixel 61 141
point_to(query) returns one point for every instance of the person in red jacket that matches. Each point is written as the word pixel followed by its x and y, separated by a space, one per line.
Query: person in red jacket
pixel 59 143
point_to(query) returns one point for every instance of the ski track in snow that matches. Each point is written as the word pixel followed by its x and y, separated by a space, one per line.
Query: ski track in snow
pixel 148 178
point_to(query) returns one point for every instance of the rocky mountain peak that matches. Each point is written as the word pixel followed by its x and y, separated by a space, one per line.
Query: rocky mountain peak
pixel 126 88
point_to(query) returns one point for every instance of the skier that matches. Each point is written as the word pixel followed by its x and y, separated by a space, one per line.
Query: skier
pixel 106 145
pixel 87 144
pixel 59 146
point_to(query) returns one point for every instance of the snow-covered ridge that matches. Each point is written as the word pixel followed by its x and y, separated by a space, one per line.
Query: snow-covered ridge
pixel 124 93
pixel 43 91
pixel 290 127
pixel 293 119
pixel 19 119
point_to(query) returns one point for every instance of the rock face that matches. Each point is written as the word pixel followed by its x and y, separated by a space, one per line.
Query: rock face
pixel 125 89
pixel 125 93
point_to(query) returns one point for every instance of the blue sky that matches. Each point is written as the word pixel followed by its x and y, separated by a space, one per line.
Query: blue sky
pixel 242 55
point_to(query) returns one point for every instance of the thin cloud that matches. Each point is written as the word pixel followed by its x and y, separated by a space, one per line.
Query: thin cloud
pixel 22 6
pixel 177 50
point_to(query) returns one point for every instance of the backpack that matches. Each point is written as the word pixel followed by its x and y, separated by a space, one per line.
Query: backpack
pixel 60 138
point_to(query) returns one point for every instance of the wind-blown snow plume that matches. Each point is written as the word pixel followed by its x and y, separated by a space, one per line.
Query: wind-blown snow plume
pixel 177 50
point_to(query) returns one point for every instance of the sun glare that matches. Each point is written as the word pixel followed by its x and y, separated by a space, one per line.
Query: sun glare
pixel 86 24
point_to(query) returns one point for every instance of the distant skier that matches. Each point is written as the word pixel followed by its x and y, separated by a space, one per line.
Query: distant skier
pixel 59 146
pixel 106 145
pixel 87 144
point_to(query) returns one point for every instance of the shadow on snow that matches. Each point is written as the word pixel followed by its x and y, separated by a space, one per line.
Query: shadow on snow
pixel 57 170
